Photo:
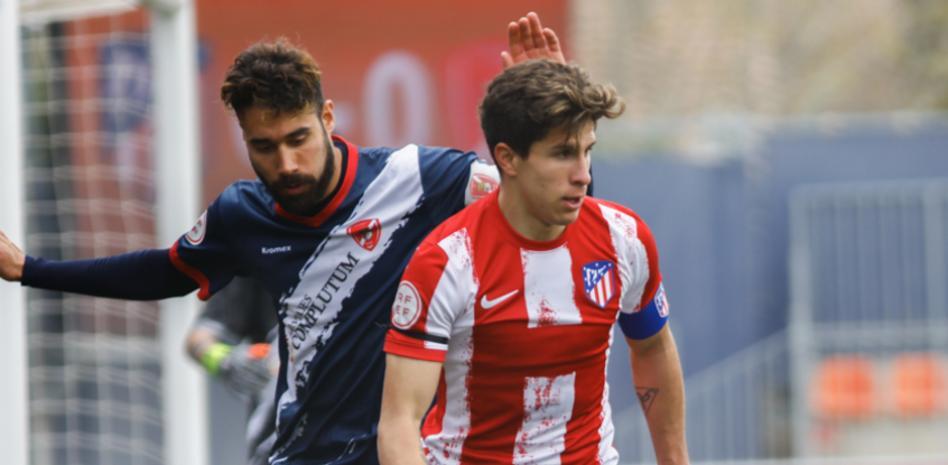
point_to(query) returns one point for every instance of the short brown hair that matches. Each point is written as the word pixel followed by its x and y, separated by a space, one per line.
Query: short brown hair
pixel 277 75
pixel 525 102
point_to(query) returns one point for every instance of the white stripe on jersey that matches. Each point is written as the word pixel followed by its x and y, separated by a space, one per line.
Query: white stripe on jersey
pixel 445 447
pixel 546 402
pixel 548 287
pixel 633 260
pixel 458 275
pixel 396 190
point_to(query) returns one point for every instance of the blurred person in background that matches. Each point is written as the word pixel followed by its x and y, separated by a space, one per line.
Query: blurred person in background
pixel 504 315
pixel 232 340
pixel 327 229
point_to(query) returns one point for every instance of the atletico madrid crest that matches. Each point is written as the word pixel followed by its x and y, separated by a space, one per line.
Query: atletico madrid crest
pixel 599 279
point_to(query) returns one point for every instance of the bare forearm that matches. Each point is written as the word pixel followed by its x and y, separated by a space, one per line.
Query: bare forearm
pixel 660 387
pixel 395 437
pixel 408 389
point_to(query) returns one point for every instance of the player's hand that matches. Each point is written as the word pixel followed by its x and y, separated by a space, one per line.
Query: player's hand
pixel 11 259
pixel 245 368
pixel 529 40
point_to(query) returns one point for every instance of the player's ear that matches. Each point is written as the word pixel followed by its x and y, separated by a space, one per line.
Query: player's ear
pixel 506 159
pixel 327 115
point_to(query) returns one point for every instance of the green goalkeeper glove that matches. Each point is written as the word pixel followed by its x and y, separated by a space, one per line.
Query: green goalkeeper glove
pixel 244 368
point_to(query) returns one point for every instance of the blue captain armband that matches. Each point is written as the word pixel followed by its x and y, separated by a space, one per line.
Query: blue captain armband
pixel 649 320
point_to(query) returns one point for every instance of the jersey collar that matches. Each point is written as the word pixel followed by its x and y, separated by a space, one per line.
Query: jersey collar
pixel 351 160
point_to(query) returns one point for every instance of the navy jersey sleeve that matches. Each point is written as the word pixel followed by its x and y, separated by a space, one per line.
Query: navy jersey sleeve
pixel 453 179
pixel 204 253
pixel 141 275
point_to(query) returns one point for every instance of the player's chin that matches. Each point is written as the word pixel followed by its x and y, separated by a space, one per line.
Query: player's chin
pixel 297 204
pixel 566 217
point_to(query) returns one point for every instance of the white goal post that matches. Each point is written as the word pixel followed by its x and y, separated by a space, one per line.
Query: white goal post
pixel 13 393
pixel 174 60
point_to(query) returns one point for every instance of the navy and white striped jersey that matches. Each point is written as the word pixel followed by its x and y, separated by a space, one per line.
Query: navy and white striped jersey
pixel 334 276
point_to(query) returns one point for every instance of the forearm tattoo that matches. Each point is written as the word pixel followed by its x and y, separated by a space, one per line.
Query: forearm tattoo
pixel 646 396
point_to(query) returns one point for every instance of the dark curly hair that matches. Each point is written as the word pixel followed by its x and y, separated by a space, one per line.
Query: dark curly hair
pixel 525 102
pixel 277 75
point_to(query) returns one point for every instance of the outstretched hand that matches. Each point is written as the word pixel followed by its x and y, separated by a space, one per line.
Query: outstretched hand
pixel 529 40
pixel 11 259
pixel 245 368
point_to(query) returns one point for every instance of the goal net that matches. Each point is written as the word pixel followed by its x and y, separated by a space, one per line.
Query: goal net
pixel 96 367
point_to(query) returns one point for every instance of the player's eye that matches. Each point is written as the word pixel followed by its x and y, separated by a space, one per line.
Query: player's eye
pixel 263 147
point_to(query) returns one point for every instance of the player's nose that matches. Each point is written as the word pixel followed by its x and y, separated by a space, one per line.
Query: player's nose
pixel 286 161
pixel 580 173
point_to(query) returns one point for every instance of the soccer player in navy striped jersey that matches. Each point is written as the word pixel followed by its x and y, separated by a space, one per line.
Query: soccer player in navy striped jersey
pixel 327 229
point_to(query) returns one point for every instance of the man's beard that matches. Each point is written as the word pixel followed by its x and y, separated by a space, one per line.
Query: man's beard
pixel 312 199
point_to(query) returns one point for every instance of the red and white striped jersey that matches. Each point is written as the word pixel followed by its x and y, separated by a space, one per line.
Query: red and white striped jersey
pixel 524 329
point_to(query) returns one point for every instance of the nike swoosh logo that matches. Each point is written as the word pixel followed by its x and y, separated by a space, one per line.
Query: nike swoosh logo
pixel 490 303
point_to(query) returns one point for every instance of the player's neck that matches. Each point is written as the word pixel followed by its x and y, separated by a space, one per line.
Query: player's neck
pixel 336 180
pixel 337 172
pixel 518 216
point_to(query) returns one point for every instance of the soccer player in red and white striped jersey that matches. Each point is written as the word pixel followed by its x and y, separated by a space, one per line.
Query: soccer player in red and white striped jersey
pixel 504 315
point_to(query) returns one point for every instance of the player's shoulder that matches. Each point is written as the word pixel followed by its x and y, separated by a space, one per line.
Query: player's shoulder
pixel 622 222
pixel 428 156
pixel 243 196
pixel 442 159
pixel 463 222
pixel 436 151
pixel 422 151
pixel 605 208
pixel 373 154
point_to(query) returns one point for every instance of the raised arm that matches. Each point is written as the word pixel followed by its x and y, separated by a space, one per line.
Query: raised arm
pixel 659 384
pixel 407 392
pixel 528 40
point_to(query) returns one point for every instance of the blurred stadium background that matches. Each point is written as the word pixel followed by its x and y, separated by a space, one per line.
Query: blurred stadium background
pixel 791 158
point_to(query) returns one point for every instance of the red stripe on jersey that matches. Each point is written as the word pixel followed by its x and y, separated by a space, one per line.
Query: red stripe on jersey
pixel 434 419
pixel 352 155
pixel 496 396
pixel 195 274
pixel 582 431
pixel 424 271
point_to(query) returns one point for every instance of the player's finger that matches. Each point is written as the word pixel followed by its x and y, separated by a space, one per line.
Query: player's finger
pixel 526 38
pixel 506 60
pixel 552 41
pixel 514 40
pixel 536 31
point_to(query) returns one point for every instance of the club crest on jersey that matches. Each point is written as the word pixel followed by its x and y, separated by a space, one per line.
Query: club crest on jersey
pixel 481 185
pixel 366 233
pixel 407 306
pixel 196 235
pixel 599 281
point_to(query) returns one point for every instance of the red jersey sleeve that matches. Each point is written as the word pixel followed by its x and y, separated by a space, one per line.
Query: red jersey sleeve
pixel 416 329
